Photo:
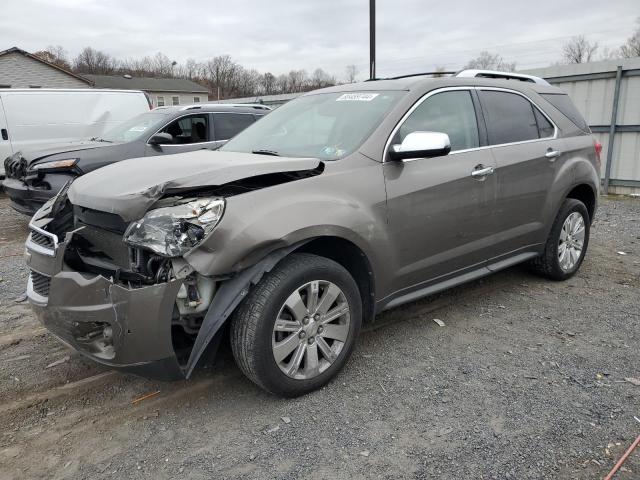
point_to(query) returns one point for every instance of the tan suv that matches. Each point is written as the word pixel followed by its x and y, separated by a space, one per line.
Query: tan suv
pixel 340 204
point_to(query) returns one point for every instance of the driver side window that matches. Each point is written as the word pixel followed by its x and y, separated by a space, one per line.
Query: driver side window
pixel 186 130
pixel 450 112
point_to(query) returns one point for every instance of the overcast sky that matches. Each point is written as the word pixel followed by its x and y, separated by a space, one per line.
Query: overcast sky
pixel 280 35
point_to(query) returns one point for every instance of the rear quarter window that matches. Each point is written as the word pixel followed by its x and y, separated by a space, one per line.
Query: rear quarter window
pixel 563 103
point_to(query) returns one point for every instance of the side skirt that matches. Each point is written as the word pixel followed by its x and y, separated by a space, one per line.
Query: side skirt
pixel 456 280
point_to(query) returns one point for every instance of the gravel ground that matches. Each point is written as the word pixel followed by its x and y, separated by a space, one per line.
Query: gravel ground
pixel 526 380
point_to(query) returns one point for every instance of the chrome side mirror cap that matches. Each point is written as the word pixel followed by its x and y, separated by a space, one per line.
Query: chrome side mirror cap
pixel 421 145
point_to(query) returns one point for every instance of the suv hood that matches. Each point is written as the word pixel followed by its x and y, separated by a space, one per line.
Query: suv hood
pixel 130 187
pixel 34 155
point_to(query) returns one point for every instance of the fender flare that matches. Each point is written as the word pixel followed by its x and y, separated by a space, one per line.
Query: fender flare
pixel 225 301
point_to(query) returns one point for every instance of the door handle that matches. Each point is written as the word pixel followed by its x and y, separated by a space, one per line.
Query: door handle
pixel 5 134
pixel 481 171
pixel 552 154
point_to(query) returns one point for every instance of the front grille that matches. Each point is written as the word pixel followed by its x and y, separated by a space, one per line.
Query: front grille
pixel 42 240
pixel 102 220
pixel 40 283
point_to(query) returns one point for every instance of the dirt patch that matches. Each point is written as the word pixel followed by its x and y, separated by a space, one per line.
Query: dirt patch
pixel 526 379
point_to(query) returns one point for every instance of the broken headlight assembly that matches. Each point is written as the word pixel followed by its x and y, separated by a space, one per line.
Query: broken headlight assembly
pixel 173 231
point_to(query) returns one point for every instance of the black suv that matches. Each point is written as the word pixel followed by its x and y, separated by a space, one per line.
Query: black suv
pixel 35 176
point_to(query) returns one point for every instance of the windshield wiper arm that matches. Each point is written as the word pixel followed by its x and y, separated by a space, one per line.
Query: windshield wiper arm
pixel 266 152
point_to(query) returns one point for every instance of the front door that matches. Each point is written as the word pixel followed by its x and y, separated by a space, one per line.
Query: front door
pixel 188 133
pixel 440 209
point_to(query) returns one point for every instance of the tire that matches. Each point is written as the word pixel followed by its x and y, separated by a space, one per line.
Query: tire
pixel 549 264
pixel 256 344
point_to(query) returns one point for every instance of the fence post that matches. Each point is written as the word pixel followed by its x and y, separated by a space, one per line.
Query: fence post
pixel 612 130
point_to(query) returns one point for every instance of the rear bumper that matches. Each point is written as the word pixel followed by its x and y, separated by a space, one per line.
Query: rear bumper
pixel 124 328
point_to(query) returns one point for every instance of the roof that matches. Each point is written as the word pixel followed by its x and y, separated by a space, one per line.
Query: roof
pixel 591 68
pixel 147 83
pixel 35 57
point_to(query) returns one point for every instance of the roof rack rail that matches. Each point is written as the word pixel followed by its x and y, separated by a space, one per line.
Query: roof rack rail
pixel 197 106
pixel 257 106
pixel 505 75
pixel 420 75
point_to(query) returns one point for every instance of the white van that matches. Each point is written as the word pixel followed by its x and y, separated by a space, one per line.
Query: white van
pixel 34 118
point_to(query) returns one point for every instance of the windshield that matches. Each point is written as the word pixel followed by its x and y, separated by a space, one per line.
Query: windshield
pixel 325 125
pixel 134 128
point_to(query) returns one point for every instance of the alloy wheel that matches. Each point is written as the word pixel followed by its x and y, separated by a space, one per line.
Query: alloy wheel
pixel 571 241
pixel 311 329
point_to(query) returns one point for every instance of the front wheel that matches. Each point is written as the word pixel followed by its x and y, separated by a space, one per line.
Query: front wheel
pixel 567 243
pixel 297 327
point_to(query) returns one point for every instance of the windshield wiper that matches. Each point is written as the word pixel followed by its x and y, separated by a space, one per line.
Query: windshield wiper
pixel 266 152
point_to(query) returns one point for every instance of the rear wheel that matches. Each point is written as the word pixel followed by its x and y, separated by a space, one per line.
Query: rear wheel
pixel 298 326
pixel 567 243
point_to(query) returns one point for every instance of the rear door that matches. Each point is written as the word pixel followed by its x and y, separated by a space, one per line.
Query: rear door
pixel 5 140
pixel 526 149
pixel 228 125
pixel 189 133
pixel 440 213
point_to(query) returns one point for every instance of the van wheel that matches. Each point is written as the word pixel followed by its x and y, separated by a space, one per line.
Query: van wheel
pixel 567 242
pixel 298 326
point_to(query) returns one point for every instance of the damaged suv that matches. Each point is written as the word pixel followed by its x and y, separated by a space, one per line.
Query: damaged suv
pixel 338 205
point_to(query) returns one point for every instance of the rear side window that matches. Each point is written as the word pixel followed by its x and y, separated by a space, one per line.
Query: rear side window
pixel 510 117
pixel 545 128
pixel 228 125
pixel 452 113
pixel 563 103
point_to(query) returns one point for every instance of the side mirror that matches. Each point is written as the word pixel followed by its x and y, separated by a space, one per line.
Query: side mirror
pixel 421 145
pixel 161 139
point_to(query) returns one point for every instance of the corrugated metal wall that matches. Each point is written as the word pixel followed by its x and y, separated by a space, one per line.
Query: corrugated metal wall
pixel 592 88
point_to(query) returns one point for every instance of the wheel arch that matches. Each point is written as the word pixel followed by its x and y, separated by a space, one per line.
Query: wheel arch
pixel 354 260
pixel 587 195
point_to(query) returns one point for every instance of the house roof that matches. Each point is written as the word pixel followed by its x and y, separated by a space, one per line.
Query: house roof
pixel 148 84
pixel 35 57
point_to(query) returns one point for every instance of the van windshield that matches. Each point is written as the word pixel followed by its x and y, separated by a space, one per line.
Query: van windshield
pixel 134 128
pixel 328 126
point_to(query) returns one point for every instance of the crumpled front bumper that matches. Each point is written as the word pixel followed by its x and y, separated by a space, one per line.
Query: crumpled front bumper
pixel 124 328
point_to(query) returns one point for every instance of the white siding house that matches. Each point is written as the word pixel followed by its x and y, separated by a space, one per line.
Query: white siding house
pixel 20 69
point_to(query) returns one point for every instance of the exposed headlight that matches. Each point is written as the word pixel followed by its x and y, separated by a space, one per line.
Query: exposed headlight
pixel 173 231
pixel 66 163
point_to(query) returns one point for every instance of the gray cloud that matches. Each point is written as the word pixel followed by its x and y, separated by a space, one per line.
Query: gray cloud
pixel 279 35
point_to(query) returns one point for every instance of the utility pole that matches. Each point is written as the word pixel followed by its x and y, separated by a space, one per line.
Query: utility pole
pixel 372 39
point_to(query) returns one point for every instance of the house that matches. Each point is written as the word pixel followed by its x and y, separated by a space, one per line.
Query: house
pixel 20 69
pixel 162 91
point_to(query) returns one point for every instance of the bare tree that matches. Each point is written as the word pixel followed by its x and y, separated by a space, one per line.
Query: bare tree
pixel 489 61
pixel 632 47
pixel 94 61
pixel 579 50
pixel 55 55
pixel 352 73
pixel 221 74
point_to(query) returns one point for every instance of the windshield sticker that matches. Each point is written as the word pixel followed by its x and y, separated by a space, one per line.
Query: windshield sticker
pixel 357 97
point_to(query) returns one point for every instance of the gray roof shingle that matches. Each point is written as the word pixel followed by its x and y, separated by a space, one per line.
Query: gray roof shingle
pixel 146 83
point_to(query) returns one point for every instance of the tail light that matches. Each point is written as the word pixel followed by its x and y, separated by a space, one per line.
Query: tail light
pixel 598 148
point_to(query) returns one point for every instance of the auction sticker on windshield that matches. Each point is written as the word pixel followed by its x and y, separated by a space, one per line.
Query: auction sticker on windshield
pixel 357 97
